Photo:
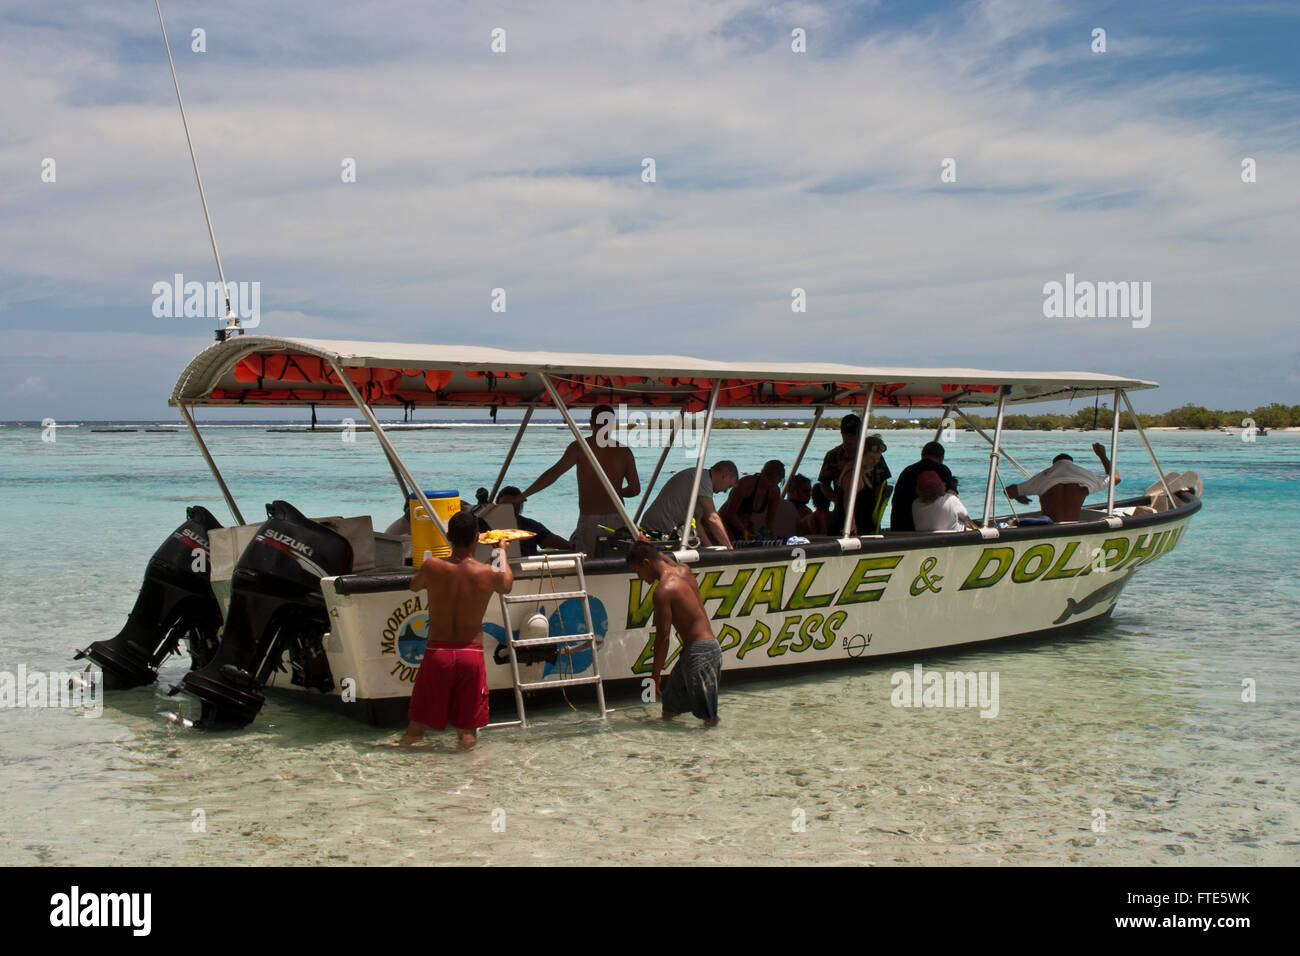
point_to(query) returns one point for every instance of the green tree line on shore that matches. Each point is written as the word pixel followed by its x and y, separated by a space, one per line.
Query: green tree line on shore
pixel 1273 415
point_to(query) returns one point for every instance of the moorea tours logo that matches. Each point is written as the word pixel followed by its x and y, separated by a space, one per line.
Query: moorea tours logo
pixel 404 636
pixel 406 631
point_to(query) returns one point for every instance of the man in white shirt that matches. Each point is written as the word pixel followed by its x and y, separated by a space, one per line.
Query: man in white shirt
pixel 668 509
pixel 937 509
pixel 1062 488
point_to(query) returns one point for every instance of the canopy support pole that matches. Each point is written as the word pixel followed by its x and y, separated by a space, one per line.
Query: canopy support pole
pixel 510 455
pixel 1143 435
pixel 591 456
pixel 394 459
pixel 807 439
pixel 699 466
pixel 857 462
pixel 993 458
pixel 406 494
pixel 1114 452
pixel 979 431
pixel 212 465
pixel 672 438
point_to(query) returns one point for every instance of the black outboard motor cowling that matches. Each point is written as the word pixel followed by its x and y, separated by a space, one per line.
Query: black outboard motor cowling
pixel 275 606
pixel 175 601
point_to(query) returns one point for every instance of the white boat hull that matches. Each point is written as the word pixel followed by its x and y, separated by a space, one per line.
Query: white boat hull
pixel 781 608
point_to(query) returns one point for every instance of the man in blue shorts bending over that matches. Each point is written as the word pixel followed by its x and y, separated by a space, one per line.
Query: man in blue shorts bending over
pixel 693 684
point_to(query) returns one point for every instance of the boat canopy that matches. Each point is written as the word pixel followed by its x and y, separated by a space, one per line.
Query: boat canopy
pixel 270 371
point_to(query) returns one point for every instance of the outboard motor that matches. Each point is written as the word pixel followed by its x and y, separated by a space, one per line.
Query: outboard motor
pixel 276 606
pixel 175 602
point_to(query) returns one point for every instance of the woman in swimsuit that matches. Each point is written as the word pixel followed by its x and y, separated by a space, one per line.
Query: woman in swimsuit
pixel 747 508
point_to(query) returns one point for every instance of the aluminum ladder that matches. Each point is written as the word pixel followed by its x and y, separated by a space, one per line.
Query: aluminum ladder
pixel 588 637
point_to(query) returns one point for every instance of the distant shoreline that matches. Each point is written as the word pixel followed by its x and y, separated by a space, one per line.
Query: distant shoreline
pixel 1192 418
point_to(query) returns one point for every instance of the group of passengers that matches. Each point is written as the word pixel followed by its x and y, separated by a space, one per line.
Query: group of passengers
pixel 764 507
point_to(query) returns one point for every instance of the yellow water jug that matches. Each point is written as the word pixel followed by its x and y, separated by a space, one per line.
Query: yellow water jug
pixel 426 539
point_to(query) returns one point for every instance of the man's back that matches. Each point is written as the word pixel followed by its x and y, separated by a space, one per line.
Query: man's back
pixel 1063 502
pixel 616 461
pixel 1062 488
pixel 459 592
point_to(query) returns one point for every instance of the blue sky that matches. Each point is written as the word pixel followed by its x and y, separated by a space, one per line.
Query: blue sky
pixel 775 170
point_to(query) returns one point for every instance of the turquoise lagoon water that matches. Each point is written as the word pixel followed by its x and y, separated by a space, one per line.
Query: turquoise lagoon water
pixel 1139 724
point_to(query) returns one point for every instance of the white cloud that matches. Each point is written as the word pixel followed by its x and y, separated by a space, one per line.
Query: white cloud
pixel 775 170
pixel 30 387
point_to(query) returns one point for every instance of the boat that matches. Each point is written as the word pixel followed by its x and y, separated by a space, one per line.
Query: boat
pixel 321 607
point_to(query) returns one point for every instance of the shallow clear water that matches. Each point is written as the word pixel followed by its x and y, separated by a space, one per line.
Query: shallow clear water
pixel 1141 719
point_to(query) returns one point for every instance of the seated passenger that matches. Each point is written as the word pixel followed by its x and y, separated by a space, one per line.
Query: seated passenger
pixel 751 507
pixel 793 508
pixel 1062 488
pixel 799 494
pixel 817 521
pixel 936 508
pixel 667 511
pixel 900 513
pixel 545 537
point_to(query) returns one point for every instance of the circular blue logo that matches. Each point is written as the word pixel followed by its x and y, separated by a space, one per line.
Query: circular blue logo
pixel 412 637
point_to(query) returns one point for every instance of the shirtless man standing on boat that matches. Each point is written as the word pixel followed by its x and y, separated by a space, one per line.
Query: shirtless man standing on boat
pixel 693 684
pixel 452 682
pixel 595 509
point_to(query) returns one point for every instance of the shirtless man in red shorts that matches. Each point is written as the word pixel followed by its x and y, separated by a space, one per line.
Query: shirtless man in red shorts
pixel 452 682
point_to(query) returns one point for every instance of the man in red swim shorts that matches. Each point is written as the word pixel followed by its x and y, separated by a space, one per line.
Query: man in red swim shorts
pixel 452 682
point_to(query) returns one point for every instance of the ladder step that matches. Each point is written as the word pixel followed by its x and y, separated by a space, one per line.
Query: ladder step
pixel 558 639
pixel 566 682
pixel 539 598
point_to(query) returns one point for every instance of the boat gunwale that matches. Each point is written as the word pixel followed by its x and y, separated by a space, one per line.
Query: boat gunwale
pixel 377 582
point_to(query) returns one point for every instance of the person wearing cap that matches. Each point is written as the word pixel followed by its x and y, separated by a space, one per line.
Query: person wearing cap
pixel 936 508
pixel 828 479
pixel 544 537
pixel 900 514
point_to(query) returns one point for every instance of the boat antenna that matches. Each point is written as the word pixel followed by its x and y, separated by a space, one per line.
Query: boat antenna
pixel 231 319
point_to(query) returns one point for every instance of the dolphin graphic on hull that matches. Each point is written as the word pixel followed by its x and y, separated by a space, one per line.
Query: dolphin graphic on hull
pixel 1103 595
